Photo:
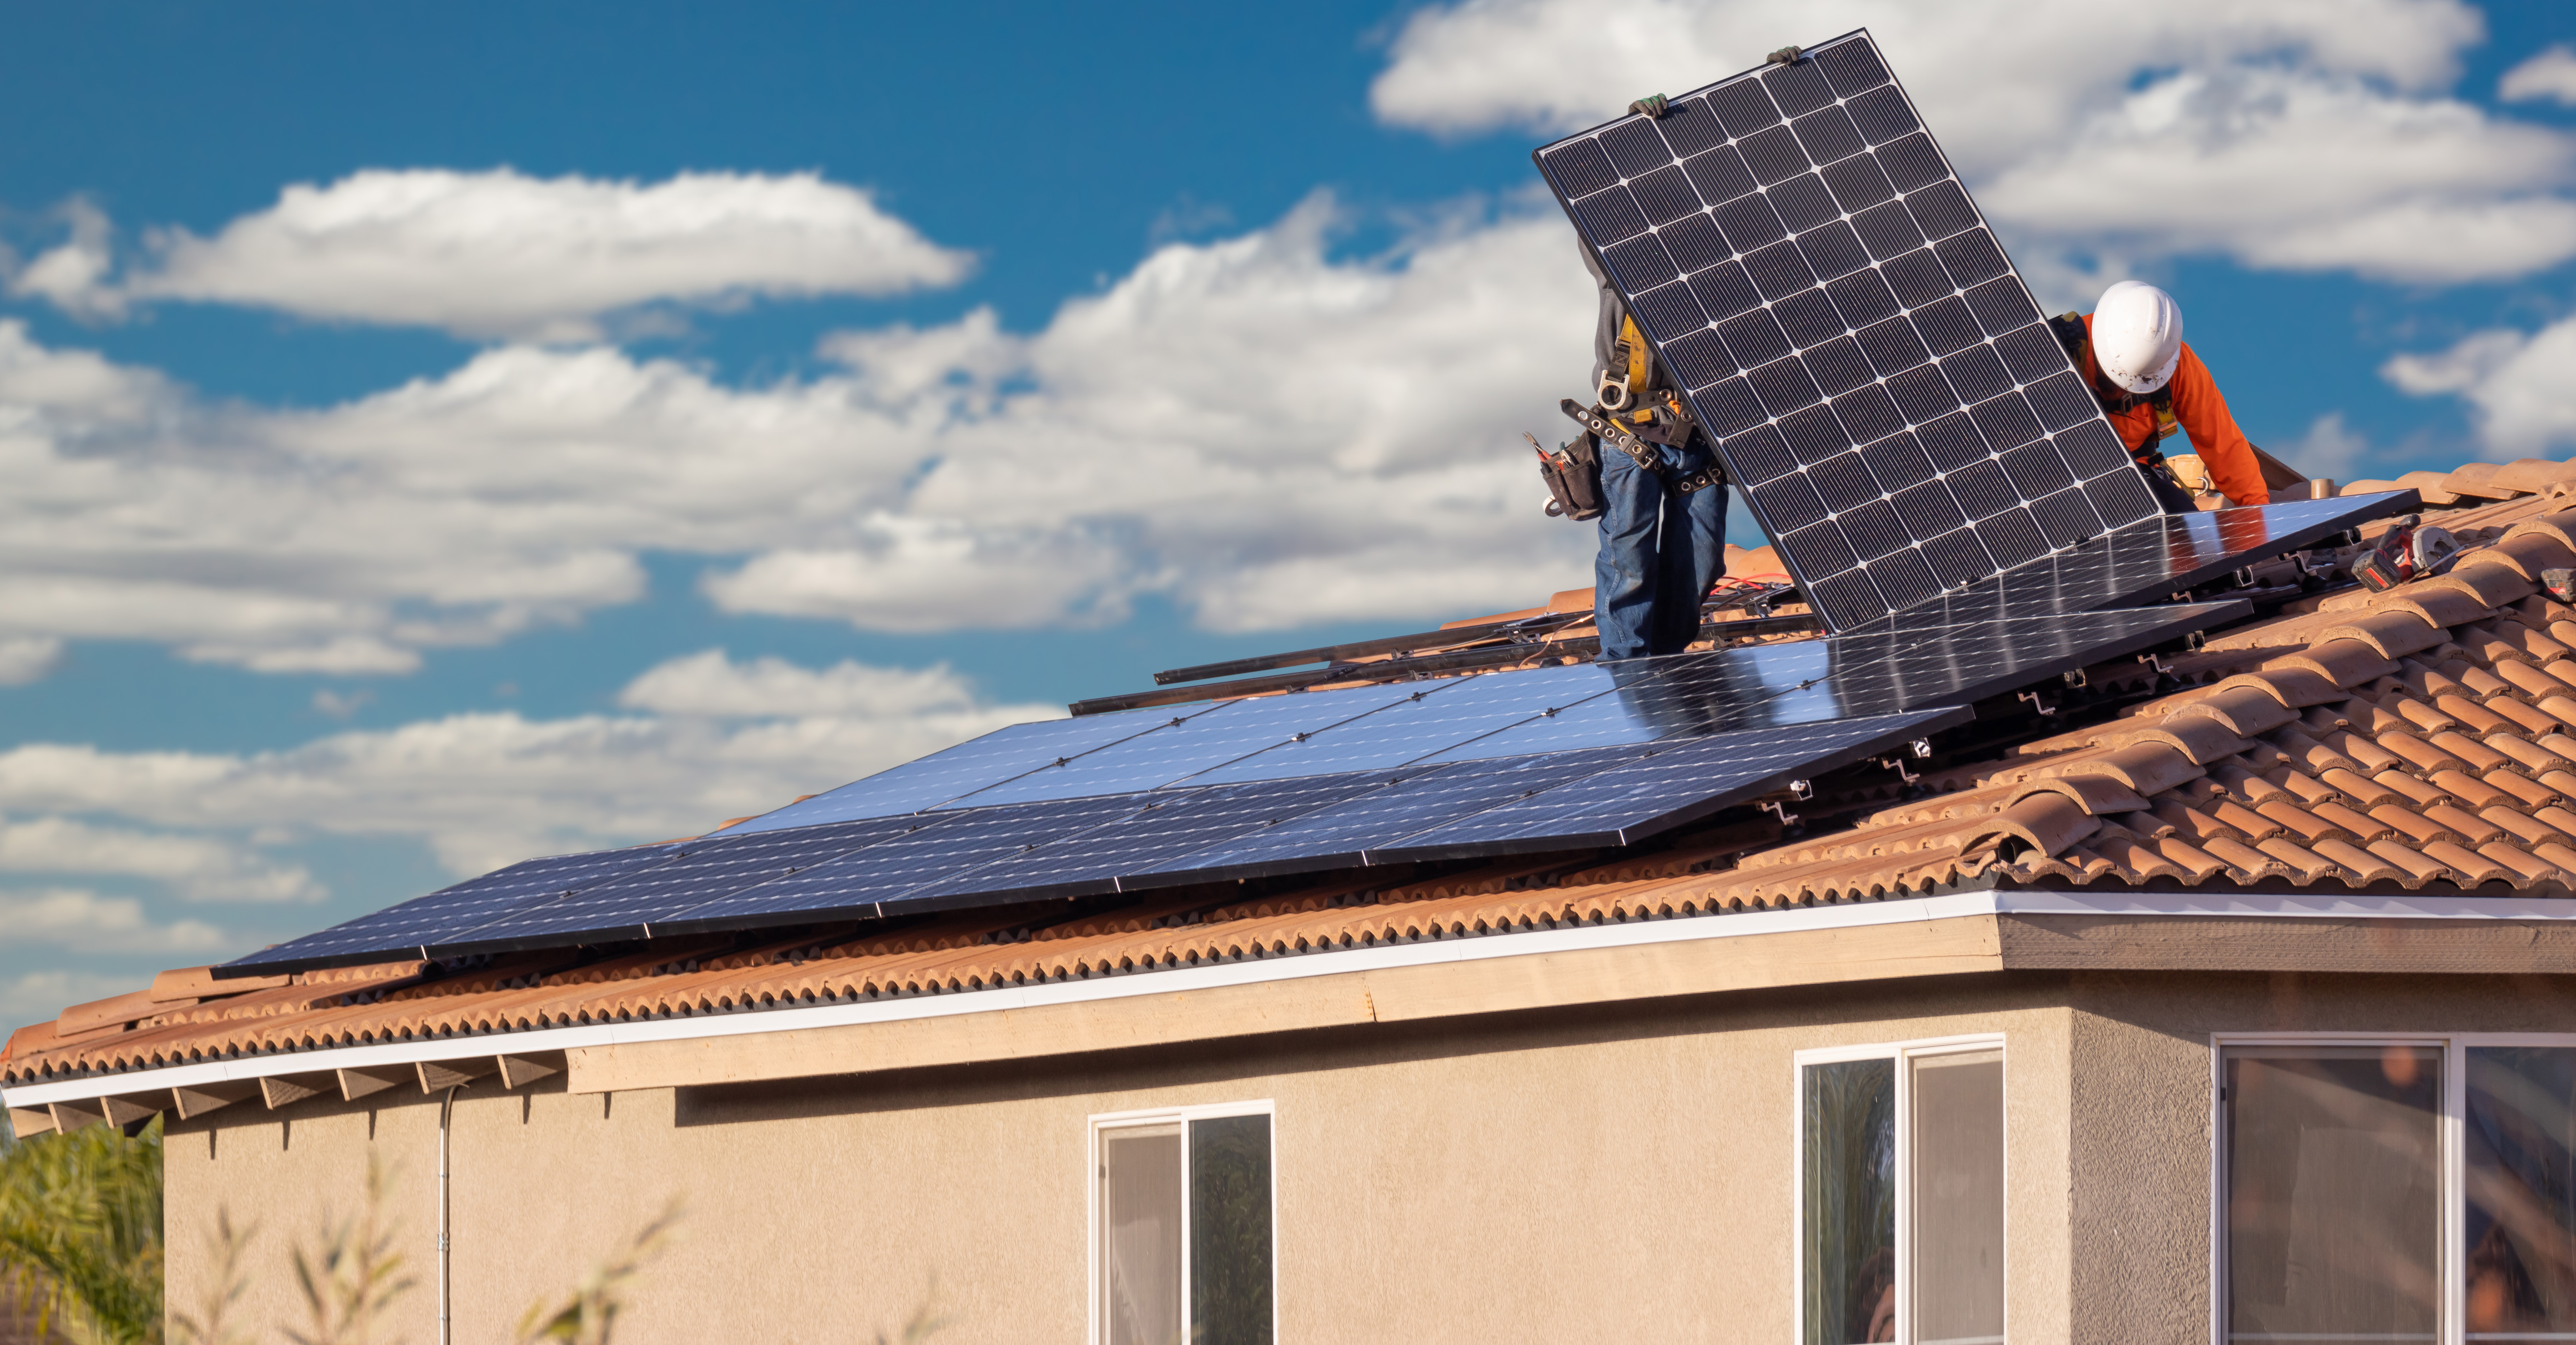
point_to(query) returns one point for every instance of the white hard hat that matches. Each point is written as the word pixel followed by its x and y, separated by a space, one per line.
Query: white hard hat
pixel 2137 335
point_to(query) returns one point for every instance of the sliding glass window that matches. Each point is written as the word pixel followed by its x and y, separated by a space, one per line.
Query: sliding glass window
pixel 1901 1194
pixel 2397 1190
pixel 1182 1228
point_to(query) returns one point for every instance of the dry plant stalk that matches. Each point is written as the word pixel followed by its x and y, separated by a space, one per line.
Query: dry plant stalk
pixel 211 1324
pixel 349 1281
pixel 924 1322
pixel 589 1317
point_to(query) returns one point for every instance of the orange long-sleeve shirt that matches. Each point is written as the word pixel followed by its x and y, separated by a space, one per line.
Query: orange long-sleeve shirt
pixel 2204 416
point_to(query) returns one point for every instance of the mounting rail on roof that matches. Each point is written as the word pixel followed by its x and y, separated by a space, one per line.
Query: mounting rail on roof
pixel 1401 667
pixel 1756 600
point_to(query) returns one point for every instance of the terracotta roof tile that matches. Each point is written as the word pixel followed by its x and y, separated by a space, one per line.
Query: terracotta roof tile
pixel 2418 867
pixel 2295 688
pixel 2095 794
pixel 2394 634
pixel 2468 867
pixel 2418 738
pixel 2242 710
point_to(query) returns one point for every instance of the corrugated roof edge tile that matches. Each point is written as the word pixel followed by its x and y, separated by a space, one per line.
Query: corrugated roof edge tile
pixel 2422 739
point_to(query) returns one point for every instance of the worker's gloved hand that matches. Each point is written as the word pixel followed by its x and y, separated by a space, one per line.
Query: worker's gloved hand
pixel 1652 105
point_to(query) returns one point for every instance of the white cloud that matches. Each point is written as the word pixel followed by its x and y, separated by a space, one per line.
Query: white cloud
pixel 28 660
pixel 2516 384
pixel 1268 433
pixel 2550 75
pixel 198 868
pixel 82 921
pixel 41 996
pixel 73 275
pixel 2330 449
pixel 711 684
pixel 2297 171
pixel 2305 135
pixel 482 790
pixel 499 254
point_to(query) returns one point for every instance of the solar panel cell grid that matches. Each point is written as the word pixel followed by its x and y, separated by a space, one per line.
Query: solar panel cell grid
pixel 1695 244
pixel 1803 202
pixel 1820 172
pixel 1725 291
pixel 1690 127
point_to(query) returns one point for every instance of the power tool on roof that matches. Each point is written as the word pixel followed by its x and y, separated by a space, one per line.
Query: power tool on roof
pixel 2407 551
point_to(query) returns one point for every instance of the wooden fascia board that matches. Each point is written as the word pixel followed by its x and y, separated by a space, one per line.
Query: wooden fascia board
pixel 1955 946
pixel 2257 943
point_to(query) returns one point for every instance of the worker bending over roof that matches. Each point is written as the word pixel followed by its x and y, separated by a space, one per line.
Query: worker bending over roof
pixel 2130 350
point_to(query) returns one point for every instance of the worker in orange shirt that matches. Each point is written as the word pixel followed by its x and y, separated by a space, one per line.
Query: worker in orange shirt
pixel 2130 350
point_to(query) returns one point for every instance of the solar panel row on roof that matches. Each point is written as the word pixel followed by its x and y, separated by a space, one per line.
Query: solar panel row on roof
pixel 1381 777
pixel 1131 842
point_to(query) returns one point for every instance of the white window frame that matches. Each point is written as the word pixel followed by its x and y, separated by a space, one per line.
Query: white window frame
pixel 1152 1116
pixel 1901 1052
pixel 2455 1046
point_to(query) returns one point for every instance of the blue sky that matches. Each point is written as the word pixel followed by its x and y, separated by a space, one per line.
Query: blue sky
pixel 442 436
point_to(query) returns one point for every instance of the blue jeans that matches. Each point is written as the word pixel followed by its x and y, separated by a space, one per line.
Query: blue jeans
pixel 1660 554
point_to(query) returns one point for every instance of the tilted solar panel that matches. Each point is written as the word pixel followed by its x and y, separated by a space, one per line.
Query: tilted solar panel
pixel 1816 279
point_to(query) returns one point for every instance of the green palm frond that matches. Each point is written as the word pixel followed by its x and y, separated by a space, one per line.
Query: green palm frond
pixel 80 1227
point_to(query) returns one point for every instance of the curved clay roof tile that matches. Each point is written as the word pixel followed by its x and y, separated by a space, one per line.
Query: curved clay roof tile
pixel 2048 822
pixel 2296 688
pixel 2345 662
pixel 2560 525
pixel 2242 710
pixel 2469 868
pixel 2531 552
pixel 2095 794
pixel 2395 634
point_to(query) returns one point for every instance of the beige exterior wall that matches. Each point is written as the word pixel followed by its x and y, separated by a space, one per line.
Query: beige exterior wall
pixel 2140 1103
pixel 1606 1172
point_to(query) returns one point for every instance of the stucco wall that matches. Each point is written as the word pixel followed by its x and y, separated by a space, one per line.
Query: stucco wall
pixel 1619 1172
pixel 1574 1174
pixel 2140 1112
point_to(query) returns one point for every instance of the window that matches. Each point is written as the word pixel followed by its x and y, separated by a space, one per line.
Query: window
pixel 1901 1194
pixel 2416 1189
pixel 1182 1229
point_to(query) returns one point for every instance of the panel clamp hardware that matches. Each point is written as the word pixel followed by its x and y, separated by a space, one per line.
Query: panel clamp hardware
pixel 1922 747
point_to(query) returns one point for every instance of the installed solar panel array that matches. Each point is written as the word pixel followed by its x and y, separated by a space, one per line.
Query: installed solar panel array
pixel 970 856
pixel 1880 383
pixel 1561 758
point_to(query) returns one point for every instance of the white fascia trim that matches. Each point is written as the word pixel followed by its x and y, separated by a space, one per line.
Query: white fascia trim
pixel 1953 906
